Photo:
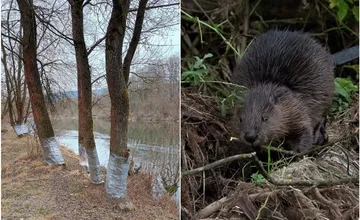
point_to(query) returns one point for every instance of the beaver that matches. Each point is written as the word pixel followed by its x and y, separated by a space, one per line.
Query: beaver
pixel 290 81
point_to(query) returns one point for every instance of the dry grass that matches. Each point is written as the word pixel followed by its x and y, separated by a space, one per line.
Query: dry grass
pixel 205 140
pixel 33 190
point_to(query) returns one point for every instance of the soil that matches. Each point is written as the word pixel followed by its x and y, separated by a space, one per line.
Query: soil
pixel 33 190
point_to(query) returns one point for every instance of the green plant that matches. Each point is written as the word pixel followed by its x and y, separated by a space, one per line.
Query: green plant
pixel 215 28
pixel 344 7
pixel 344 89
pixel 198 72
pixel 229 102
pixel 257 178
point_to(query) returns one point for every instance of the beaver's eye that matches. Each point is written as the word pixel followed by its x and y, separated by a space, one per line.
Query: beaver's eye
pixel 264 119
pixel 241 119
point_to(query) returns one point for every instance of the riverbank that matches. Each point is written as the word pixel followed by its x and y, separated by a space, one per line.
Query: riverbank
pixel 33 190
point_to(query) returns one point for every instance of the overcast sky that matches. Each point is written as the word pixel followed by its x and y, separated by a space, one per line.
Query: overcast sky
pixel 160 40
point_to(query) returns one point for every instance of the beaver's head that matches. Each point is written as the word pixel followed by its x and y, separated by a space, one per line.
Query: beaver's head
pixel 260 119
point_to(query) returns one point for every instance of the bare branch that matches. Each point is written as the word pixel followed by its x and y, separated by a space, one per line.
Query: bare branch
pixel 135 39
pixel 96 44
pixel 156 6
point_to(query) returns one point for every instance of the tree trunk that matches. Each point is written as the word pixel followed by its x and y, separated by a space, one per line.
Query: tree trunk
pixel 20 100
pixel 4 109
pixel 7 82
pixel 118 164
pixel 51 151
pixel 117 75
pixel 87 149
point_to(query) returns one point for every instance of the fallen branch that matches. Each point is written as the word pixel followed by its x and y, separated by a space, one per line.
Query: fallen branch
pixel 215 206
pixel 185 211
pixel 289 182
pixel 212 208
pixel 216 163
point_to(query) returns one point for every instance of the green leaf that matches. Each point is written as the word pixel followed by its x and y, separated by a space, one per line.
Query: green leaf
pixel 355 11
pixel 341 91
pixel 187 73
pixel 342 11
pixel 347 84
pixel 258 178
pixel 197 64
pixel 191 67
pixel 334 3
pixel 200 72
pixel 207 56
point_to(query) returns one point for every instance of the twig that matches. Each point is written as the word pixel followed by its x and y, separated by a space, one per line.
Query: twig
pixel 217 163
pixel 289 182
pixel 347 214
pixel 280 150
pixel 314 148
pixel 187 212
pixel 332 206
pixel 215 206
pixel 96 44
pixel 225 83
pixel 262 169
pixel 262 207
pixel 155 6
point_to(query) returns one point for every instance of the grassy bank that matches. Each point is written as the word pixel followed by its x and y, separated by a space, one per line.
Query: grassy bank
pixel 33 190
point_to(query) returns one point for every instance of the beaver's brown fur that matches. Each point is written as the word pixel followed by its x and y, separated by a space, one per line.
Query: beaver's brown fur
pixel 291 85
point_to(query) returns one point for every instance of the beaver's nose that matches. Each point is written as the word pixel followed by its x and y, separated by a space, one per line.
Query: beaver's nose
pixel 250 137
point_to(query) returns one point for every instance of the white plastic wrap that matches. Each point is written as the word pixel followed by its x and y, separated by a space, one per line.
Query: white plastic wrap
pixel 176 196
pixel 94 166
pixel 21 129
pixel 83 158
pixel 116 176
pixel 30 124
pixel 51 150
pixel 157 187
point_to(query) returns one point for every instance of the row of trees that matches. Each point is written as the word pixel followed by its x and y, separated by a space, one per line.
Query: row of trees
pixel 126 23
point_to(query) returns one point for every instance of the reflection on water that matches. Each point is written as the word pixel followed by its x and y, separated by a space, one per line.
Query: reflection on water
pixel 148 156
pixel 163 134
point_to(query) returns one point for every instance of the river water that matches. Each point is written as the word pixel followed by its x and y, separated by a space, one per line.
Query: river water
pixel 153 146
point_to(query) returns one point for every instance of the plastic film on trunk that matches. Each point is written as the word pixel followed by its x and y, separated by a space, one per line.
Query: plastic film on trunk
pixel 21 129
pixel 83 158
pixel 51 150
pixel 117 172
pixel 94 166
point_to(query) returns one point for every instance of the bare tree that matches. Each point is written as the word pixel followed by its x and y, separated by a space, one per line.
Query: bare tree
pixel 51 151
pixel 87 148
pixel 117 73
pixel 13 70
